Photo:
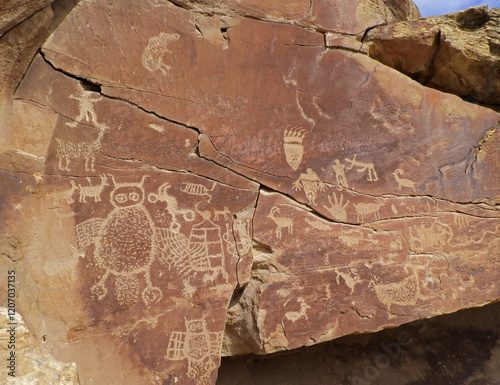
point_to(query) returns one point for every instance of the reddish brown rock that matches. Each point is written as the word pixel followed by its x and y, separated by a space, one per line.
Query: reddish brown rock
pixel 14 11
pixel 195 162
pixel 457 53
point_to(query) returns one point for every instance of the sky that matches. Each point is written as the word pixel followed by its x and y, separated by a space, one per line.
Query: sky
pixel 441 7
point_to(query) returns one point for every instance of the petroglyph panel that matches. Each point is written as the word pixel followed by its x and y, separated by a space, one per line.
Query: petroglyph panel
pixel 351 276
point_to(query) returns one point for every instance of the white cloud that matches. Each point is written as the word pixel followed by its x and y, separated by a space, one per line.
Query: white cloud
pixel 441 7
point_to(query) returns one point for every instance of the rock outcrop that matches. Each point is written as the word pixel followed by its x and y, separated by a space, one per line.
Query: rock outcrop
pixel 457 53
pixel 191 179
pixel 30 363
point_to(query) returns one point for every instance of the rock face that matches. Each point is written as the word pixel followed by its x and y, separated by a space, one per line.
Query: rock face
pixel 31 363
pixel 186 180
pixel 457 53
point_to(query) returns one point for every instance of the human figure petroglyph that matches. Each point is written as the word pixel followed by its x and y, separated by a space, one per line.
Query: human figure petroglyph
pixel 226 214
pixel 157 47
pixel 281 222
pixel 63 195
pixel 311 184
pixel 294 316
pixel 403 182
pixel 86 106
pixel 337 209
pixel 197 189
pixel 340 176
pixel 294 149
pixel 125 245
pixel 365 209
pixel 92 191
pixel 198 346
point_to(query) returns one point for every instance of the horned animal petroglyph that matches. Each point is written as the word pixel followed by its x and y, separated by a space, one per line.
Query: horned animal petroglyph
pixel 92 191
pixel 225 213
pixel 281 222
pixel 63 195
pixel 403 182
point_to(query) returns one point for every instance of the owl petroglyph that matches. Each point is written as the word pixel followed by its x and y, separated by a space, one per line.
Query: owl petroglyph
pixel 124 245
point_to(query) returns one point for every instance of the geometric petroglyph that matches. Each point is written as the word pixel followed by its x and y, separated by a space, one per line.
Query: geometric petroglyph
pixel 403 182
pixel 125 245
pixel 281 222
pixel 366 209
pixel 294 150
pixel 311 184
pixel 361 167
pixel 197 189
pixel 337 209
pixel 152 56
pixel 68 150
pixel 202 252
pixel 197 345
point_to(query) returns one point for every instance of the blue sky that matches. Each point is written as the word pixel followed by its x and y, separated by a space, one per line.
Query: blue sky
pixel 441 7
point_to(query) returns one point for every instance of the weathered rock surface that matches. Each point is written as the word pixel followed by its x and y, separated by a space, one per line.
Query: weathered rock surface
pixel 31 363
pixel 198 179
pixel 457 53
pixel 460 348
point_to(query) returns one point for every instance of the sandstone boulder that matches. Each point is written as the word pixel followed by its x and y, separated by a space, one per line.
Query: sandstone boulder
pixel 457 53
pixel 194 179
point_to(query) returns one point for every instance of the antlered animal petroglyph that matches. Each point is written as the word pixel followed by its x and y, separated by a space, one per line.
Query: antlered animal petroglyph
pixel 365 209
pixel 281 222
pixel 153 54
pixel 361 167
